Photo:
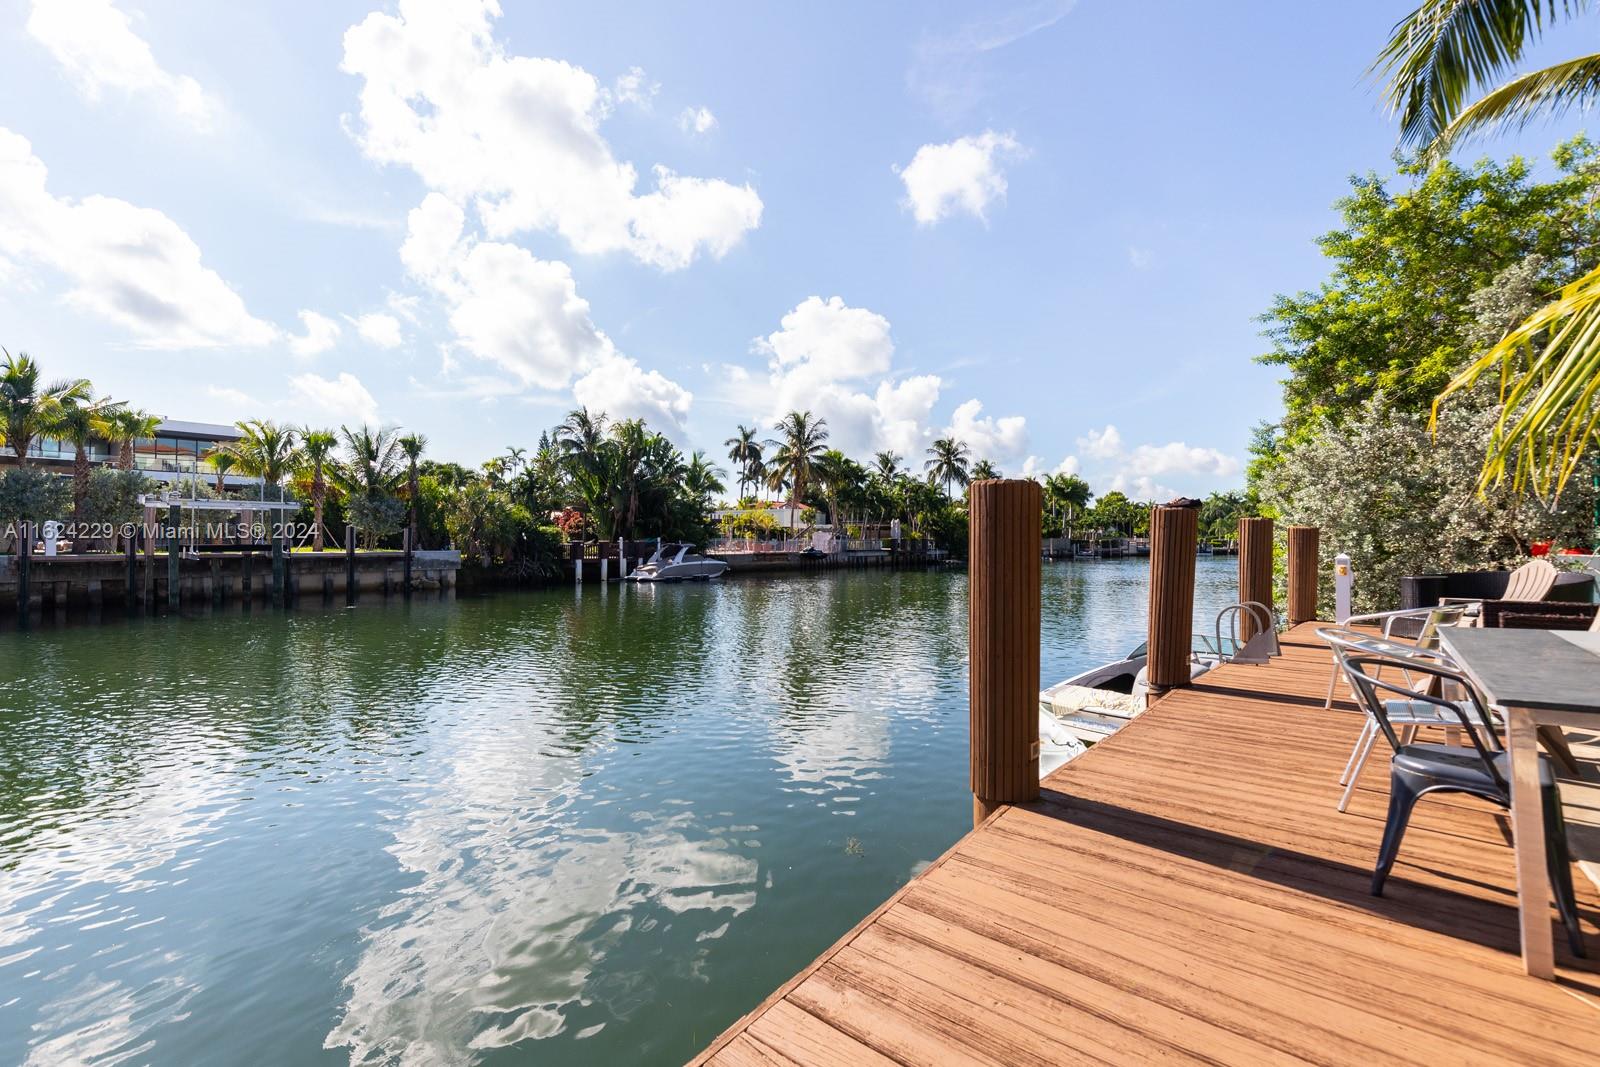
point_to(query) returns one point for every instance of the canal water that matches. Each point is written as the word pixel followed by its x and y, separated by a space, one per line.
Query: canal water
pixel 556 828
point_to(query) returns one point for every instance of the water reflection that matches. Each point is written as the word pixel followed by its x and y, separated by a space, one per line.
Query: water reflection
pixel 599 825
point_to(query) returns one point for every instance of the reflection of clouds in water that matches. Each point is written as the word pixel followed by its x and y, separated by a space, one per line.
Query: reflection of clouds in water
pixel 515 908
pixel 95 867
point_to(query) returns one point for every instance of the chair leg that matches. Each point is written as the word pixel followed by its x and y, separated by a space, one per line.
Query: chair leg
pixel 1350 764
pixel 1561 869
pixel 1355 774
pixel 1327 705
pixel 1402 798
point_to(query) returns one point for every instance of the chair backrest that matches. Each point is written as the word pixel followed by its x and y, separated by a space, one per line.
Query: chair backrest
pixel 1346 642
pixel 1471 712
pixel 1531 581
pixel 1428 636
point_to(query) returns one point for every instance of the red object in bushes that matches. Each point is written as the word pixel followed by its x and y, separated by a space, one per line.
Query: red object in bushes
pixel 1576 552
pixel 1539 548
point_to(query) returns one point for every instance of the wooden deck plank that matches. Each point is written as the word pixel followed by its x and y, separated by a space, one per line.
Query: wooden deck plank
pixel 1186 891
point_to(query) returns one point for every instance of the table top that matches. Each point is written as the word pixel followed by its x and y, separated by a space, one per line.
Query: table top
pixel 1552 669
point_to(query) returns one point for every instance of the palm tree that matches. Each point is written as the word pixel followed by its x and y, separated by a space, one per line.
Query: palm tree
pixel 886 465
pixel 316 446
pixel 1436 57
pixel 124 426
pixel 631 444
pixel 983 470
pixel 1068 493
pixel 372 460
pixel 514 456
pixel 412 445
pixel 221 463
pixel 801 436
pixel 947 464
pixel 79 421
pixel 264 450
pixel 745 452
pixel 701 480
pixel 28 409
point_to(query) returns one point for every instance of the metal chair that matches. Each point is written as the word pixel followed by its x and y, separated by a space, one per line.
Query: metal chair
pixel 1430 620
pixel 1409 715
pixel 1481 768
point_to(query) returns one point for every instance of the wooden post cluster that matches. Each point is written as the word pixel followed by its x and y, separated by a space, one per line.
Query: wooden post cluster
pixel 1255 569
pixel 1174 532
pixel 1004 642
pixel 1303 572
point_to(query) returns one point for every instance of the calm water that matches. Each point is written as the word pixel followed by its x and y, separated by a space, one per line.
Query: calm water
pixel 538 828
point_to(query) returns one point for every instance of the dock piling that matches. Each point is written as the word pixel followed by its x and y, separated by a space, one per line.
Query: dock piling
pixel 278 571
pixel 174 554
pixel 24 565
pixel 408 546
pixel 1174 532
pixel 1303 573
pixel 1255 570
pixel 1004 643
pixel 349 564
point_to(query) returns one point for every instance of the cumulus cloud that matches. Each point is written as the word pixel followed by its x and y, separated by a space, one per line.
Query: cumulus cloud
pixel 322 333
pixel 963 175
pixel 518 138
pixel 95 44
pixel 635 87
pixel 696 120
pixel 1101 444
pixel 1139 471
pixel 344 397
pixel 129 265
pixel 837 362
pixel 996 439
pixel 378 329
pixel 524 314
pixel 1034 467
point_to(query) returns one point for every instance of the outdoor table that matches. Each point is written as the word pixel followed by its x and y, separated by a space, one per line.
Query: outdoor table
pixel 1539 678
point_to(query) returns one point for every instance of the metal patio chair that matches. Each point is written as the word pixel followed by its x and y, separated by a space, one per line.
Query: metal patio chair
pixel 1428 619
pixel 1481 768
pixel 1409 715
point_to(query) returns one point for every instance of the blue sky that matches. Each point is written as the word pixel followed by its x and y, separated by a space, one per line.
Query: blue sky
pixel 1046 227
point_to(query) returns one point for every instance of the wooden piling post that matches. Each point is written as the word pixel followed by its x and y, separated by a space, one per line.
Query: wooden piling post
pixel 349 564
pixel 1255 569
pixel 1303 572
pixel 279 573
pixel 149 534
pixel 24 565
pixel 131 592
pixel 405 543
pixel 1174 532
pixel 174 553
pixel 1003 637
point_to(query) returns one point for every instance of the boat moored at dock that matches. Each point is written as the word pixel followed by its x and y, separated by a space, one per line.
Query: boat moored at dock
pixel 677 562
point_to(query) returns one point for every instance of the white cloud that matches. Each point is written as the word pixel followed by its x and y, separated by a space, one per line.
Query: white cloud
pixel 1138 471
pixel 635 87
pixel 1034 467
pixel 1101 444
pixel 697 120
pixel 963 175
pixel 524 314
pixel 518 138
pixel 95 43
pixel 1138 257
pixel 837 361
pixel 379 329
pixel 231 401
pixel 996 439
pixel 322 333
pixel 132 266
pixel 343 398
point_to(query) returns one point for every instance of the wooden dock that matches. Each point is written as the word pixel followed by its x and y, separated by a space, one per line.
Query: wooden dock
pixel 1187 892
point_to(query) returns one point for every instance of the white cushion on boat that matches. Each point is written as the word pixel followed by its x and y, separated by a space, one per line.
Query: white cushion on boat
pixel 1069 698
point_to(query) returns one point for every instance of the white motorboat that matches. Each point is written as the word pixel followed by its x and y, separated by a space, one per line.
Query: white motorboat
pixel 674 562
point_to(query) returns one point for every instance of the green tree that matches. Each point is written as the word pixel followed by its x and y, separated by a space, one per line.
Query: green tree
pixel 1395 314
pixel 412 445
pixel 801 439
pixel 983 470
pixel 264 450
pixel 369 474
pixel 124 426
pixel 1438 58
pixel 78 419
pixel 316 451
pixel 947 463
pixel 745 453
pixel 29 407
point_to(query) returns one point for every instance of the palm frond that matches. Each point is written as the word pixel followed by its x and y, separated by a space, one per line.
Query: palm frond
pixel 1543 93
pixel 1548 411
pixel 1445 48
